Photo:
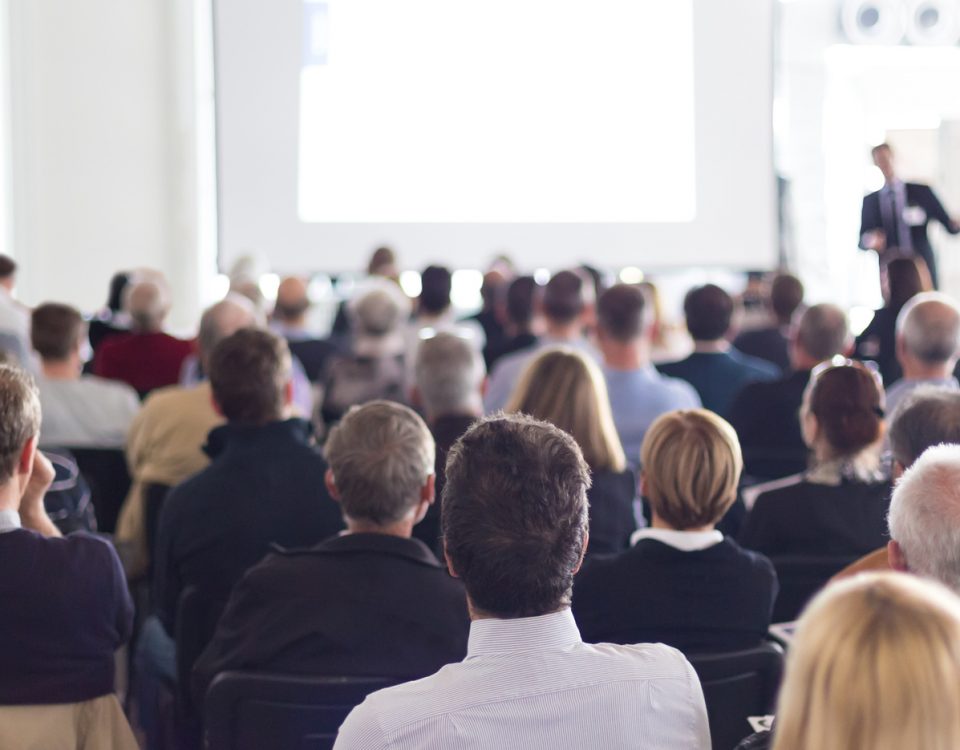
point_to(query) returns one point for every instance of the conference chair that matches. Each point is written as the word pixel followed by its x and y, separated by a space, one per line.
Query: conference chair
pixel 105 470
pixel 802 576
pixel 252 711
pixel 738 684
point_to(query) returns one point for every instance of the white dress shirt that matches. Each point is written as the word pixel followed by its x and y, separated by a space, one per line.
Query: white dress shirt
pixel 685 541
pixel 533 683
pixel 9 520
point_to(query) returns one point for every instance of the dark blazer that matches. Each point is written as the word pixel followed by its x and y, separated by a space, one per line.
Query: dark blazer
pixel 804 518
pixel 873 217
pixel 716 599
pixel 719 376
pixel 766 418
pixel 769 344
pixel 612 520
pixel 65 611
pixel 355 605
pixel 878 342
pixel 314 354
pixel 264 486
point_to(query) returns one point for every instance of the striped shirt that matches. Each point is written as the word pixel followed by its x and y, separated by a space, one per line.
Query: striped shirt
pixel 532 683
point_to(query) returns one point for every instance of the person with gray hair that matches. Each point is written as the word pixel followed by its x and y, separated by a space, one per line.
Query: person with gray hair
pixel 449 378
pixel 925 517
pixel 300 611
pixel 928 343
pixel 765 414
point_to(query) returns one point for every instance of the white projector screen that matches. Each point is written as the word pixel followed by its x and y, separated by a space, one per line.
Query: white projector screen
pixel 619 133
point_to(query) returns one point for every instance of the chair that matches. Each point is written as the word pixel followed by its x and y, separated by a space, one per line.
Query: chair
pixel 105 470
pixel 251 711
pixel 738 684
pixel 154 496
pixel 802 576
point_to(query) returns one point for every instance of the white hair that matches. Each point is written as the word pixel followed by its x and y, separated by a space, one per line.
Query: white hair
pixel 449 372
pixel 924 515
pixel 929 326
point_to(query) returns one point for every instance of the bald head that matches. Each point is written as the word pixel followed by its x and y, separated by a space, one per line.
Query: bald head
pixel 292 301
pixel 821 334
pixel 147 304
pixel 224 319
pixel 928 331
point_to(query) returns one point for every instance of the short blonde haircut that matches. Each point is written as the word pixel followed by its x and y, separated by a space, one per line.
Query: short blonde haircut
pixel 691 466
pixel 563 387
pixel 875 664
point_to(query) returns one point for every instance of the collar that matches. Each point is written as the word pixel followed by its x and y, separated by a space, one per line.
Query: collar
pixel 545 632
pixel 408 548
pixel 9 520
pixel 272 434
pixel 685 541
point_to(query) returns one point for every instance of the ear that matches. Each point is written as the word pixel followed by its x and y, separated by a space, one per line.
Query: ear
pixel 446 558
pixel 643 483
pixel 896 558
pixel 416 400
pixel 331 485
pixel 288 393
pixel 216 406
pixel 896 470
pixel 583 552
pixel 484 385
pixel 27 453
pixel 809 427
pixel 428 493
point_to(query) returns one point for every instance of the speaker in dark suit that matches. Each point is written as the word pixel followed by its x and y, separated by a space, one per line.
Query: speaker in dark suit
pixel 894 219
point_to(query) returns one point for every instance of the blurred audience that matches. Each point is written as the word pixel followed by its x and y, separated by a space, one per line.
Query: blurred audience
pixel 14 317
pixel 289 320
pixel 298 612
pixel 111 320
pixel 489 318
pixel 715 369
pixel 638 392
pixel 79 411
pixel 566 389
pixel 772 342
pixel 682 582
pixel 435 313
pixel 515 531
pixel 838 507
pixel 764 414
pixel 520 300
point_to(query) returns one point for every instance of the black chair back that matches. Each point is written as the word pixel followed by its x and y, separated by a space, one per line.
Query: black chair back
pixel 105 470
pixel 252 711
pixel 802 576
pixel 154 496
pixel 736 685
pixel 197 614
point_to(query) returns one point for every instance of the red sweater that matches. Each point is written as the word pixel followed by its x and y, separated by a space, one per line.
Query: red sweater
pixel 143 360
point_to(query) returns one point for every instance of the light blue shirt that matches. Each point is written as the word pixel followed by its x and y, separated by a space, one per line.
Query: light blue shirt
pixel 638 397
pixel 897 392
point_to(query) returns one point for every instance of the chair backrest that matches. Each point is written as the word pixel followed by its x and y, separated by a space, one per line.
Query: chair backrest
pixel 251 711
pixel 802 576
pixel 154 495
pixel 197 614
pixel 105 470
pixel 738 684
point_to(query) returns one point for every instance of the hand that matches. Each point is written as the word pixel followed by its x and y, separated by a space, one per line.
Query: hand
pixel 41 477
pixel 875 240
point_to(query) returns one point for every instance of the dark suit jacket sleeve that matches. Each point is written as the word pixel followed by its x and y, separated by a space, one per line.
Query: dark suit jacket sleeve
pixel 934 208
pixel 869 217
pixel 123 603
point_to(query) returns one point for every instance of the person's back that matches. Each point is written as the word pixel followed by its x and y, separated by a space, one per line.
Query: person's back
pixel 772 342
pixel 514 522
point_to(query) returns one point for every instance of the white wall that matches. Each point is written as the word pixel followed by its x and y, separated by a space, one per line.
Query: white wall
pixel 104 168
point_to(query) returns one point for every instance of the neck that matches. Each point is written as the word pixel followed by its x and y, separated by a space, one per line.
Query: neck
pixel 711 347
pixel 402 528
pixel 10 494
pixel 60 369
pixel 913 370
pixel 564 331
pixel 658 523
pixel 631 355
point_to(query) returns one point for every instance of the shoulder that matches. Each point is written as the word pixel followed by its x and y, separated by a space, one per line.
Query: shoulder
pixel 104 388
pixel 759 368
pixel 758 563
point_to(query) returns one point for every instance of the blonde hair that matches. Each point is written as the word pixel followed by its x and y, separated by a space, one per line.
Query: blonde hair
pixel 565 388
pixel 875 664
pixel 691 466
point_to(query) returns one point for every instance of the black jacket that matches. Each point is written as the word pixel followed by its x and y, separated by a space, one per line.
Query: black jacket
pixel 612 520
pixel 354 605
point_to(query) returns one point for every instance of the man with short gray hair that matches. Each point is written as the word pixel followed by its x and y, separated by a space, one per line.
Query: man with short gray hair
pixel 928 342
pixel 371 601
pixel 449 379
pixel 925 517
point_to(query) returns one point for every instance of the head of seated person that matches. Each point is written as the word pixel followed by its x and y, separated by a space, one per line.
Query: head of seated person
pixel 566 304
pixel 57 333
pixel 928 416
pixel 293 302
pixel 147 302
pixel 449 377
pixel 223 319
pixel 381 458
pixel 904 279
pixel 841 418
pixel 928 337
pixel 376 318
pixel 786 296
pixel 565 388
pixel 875 663
pixel 515 516
pixel 708 311
pixel 250 375
pixel 625 321
pixel 821 333
pixel 520 299
pixel 691 468
pixel 434 298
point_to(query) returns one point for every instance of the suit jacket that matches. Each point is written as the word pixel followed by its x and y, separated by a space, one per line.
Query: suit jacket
pixel 770 344
pixel 719 376
pixel 715 599
pixel 612 520
pixel 873 217
pixel 354 605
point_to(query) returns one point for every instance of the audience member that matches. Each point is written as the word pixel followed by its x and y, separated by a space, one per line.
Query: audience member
pixel 878 341
pixel 79 411
pixel 449 379
pixel 14 317
pixel 928 344
pixel 290 321
pixel 875 664
pixel 375 367
pixel 772 342
pixel 715 369
pixel 381 267
pixel 489 317
pixel 111 320
pixel 638 392
pixel 435 313
pixel 300 612
pixel 566 304
pixel 165 441
pixel 682 582
pixel 146 358
pixel 66 605
pixel 515 530
pixel 764 414
pixel 839 506
pixel 519 302
pixel 563 387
